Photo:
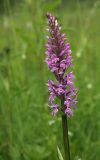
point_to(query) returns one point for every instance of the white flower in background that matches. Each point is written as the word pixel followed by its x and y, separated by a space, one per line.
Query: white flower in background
pixel 29 25
pixel 89 85
pixel 82 47
pixel 24 47
pixel 23 56
pixel 78 158
pixel 78 54
pixel 70 133
pixel 6 22
pixel 51 122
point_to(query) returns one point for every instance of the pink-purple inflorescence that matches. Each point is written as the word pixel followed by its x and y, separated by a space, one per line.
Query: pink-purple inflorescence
pixel 59 59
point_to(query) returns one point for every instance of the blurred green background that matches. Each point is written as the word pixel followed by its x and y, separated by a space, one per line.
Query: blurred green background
pixel 27 130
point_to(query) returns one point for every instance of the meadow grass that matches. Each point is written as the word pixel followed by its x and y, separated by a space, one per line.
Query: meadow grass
pixel 27 130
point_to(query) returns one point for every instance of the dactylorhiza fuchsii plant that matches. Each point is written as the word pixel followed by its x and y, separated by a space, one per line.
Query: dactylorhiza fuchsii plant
pixel 59 60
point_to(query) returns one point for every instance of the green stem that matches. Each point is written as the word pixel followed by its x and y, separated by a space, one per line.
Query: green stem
pixel 65 135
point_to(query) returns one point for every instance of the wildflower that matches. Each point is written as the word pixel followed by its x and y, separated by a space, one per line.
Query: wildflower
pixel 59 60
pixel 89 86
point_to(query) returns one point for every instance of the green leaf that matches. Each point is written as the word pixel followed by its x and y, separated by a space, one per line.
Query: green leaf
pixel 59 154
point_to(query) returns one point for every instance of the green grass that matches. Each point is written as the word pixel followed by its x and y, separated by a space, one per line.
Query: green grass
pixel 27 130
